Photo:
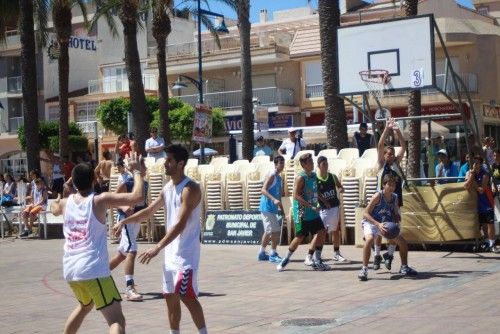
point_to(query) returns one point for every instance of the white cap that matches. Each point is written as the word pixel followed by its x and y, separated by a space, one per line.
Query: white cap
pixel 292 129
pixel 443 151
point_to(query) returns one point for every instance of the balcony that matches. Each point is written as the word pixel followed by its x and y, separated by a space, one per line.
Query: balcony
pixel 118 84
pixel 15 85
pixel 15 123
pixel 469 79
pixel 270 96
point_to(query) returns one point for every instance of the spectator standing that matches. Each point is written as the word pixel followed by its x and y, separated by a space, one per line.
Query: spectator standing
pixel 292 145
pixel 155 145
pixel 489 144
pixel 261 148
pixel 362 140
pixel 122 147
pixel 103 171
pixel 464 168
pixel 68 166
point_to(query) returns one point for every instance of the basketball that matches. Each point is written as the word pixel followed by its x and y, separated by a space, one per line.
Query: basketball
pixel 392 230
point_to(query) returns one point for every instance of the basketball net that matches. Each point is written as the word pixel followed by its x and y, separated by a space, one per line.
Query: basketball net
pixel 375 81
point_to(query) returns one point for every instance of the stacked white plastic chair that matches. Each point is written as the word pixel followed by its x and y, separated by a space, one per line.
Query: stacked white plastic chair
pixel 350 197
pixel 289 176
pixel 328 153
pixel 254 184
pixel 234 187
pixel 214 198
pixel 369 184
pixel 156 182
pixel 349 155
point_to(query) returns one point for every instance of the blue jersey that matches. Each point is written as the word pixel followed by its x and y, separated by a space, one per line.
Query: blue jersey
pixel 266 204
pixel 483 203
pixel 384 211
pixel 310 194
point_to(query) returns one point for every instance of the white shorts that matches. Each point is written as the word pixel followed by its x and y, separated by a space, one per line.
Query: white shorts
pixel 270 222
pixel 369 228
pixel 181 282
pixel 330 218
pixel 128 242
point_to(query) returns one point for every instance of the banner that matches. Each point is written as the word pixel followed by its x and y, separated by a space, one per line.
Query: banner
pixel 233 227
pixel 202 126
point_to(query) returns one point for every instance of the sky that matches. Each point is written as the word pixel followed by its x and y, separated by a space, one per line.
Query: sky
pixel 272 5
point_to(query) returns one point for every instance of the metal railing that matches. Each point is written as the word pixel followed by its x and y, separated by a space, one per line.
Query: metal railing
pixel 232 99
pixel 87 127
pixel 118 84
pixel 15 123
pixel 15 84
pixel 469 79
pixel 313 91
pixel 209 45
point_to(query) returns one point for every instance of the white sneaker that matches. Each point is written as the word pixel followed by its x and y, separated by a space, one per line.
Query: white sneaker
pixel 309 260
pixel 339 258
pixel 132 294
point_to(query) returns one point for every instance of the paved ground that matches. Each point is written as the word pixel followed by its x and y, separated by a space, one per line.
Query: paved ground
pixel 455 292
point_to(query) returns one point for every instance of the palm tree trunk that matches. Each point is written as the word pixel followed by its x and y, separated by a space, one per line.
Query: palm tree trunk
pixel 62 22
pixel 335 119
pixel 243 12
pixel 30 89
pixel 161 29
pixel 410 8
pixel 140 114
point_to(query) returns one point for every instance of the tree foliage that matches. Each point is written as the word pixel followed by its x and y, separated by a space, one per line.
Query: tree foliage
pixel 113 116
pixel 50 129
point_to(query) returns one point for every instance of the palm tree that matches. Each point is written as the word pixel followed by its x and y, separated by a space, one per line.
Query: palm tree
pixel 26 13
pixel 161 29
pixel 129 13
pixel 335 119
pixel 243 12
pixel 410 8
pixel 62 16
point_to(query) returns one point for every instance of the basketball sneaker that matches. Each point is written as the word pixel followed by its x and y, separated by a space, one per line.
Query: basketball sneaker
pixel 282 264
pixel 363 274
pixel 494 249
pixel 263 257
pixel 407 271
pixel 388 260
pixel 319 265
pixel 339 258
pixel 275 258
pixel 308 260
pixel 377 260
pixel 132 294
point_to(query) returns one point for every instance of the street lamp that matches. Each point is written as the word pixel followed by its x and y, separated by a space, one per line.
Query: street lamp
pixel 199 83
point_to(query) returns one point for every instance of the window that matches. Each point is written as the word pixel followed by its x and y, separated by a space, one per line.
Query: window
pixel 85 112
pixel 54 113
pixel 263 81
pixel 483 10
pixel 313 79
pixel 15 164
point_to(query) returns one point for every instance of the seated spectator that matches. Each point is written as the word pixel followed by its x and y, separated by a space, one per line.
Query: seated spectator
pixel 38 204
pixel 445 168
pixel 261 148
pixel 9 190
pixel 362 140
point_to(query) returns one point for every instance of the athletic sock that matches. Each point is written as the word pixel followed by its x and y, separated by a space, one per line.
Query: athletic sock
pixel 492 242
pixel 317 253
pixel 129 280
pixel 289 254
pixel 377 250
pixel 262 249
pixel 336 250
pixel 175 331
pixel 274 252
pixel 203 331
pixel 391 249
pixel 310 252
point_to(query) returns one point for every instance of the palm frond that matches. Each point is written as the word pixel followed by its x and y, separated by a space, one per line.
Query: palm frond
pixel 105 9
pixel 207 22
pixel 82 4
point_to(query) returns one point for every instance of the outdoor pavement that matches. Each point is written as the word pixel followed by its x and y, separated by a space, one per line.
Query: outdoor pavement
pixel 454 292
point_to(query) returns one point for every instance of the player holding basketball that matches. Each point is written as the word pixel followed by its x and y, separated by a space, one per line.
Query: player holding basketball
pixel 389 164
pixel 383 208
pixel 181 198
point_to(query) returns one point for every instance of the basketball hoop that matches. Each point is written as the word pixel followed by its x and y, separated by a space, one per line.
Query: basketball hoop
pixel 375 81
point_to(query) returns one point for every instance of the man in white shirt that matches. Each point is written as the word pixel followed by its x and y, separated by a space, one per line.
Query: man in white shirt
pixel 292 145
pixel 155 145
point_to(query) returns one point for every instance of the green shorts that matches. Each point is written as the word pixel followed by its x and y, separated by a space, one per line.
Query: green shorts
pixel 101 291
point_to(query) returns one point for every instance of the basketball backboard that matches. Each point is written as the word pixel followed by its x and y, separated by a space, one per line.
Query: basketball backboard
pixel 403 47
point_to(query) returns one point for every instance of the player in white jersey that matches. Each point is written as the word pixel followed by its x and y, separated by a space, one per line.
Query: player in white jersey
pixel 181 198
pixel 85 261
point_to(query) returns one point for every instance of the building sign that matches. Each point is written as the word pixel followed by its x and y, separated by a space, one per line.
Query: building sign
pixel 276 120
pixel 433 109
pixel 491 111
pixel 233 227
pixel 82 43
pixel 202 125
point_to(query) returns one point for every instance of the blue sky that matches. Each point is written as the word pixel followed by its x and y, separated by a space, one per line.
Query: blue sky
pixel 272 5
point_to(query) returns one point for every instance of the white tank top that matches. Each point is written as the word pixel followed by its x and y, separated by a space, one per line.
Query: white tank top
pixel 85 249
pixel 184 251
